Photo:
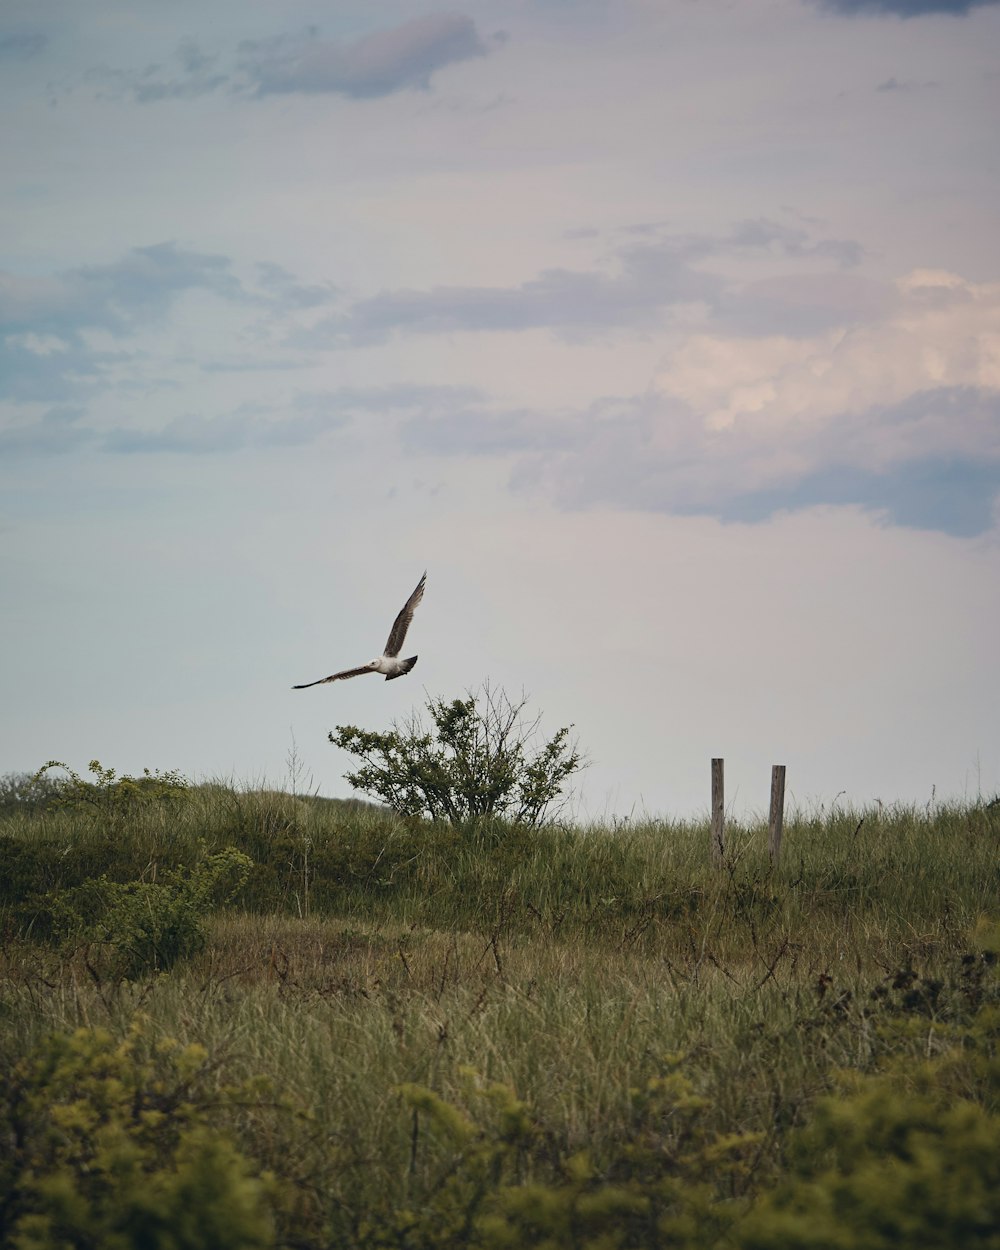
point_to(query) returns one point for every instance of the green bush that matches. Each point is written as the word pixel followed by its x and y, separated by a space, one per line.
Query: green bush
pixel 674 1182
pixel 149 925
pixel 880 1168
pixel 909 1156
pixel 108 1145
pixel 28 792
pixel 114 799
pixel 478 762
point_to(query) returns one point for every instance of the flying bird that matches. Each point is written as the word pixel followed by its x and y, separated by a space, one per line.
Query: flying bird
pixel 389 662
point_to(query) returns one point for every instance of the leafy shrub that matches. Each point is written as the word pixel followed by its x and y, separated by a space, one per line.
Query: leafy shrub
pixel 150 925
pixel 478 761
pixel 108 1145
pixel 909 1156
pixel 669 1185
pixel 879 1167
pixel 115 798
pixel 28 792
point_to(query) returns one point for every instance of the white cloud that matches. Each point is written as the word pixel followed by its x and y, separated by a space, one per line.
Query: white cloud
pixel 942 331
pixel 898 414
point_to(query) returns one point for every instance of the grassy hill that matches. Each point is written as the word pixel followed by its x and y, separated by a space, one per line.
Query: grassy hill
pixel 414 1035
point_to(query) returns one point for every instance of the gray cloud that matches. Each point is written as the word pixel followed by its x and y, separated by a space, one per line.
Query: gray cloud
pixel 140 286
pixel 247 427
pixel 766 235
pixel 291 293
pixel 22 45
pixel 186 74
pixel 930 462
pixel 473 429
pixel 197 76
pixel 54 433
pixel 903 8
pixel 802 305
pixel 48 372
pixel 306 418
pixel 648 279
pixel 44 320
pixel 400 58
pixel 577 304
pixel 893 84
pixel 951 496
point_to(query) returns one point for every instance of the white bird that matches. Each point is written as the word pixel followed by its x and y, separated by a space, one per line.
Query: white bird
pixel 389 662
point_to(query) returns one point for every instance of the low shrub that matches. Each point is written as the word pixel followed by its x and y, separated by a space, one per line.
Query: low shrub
pixel 110 1145
pixel 147 926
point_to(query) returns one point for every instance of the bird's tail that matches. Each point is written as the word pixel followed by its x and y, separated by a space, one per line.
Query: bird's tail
pixel 407 665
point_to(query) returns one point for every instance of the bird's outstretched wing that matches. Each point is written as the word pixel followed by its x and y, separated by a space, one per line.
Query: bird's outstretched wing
pixel 402 622
pixel 348 672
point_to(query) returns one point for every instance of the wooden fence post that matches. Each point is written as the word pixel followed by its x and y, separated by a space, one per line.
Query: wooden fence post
pixel 718 810
pixel 777 811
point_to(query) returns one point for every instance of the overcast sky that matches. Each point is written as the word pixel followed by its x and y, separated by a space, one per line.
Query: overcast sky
pixel 665 334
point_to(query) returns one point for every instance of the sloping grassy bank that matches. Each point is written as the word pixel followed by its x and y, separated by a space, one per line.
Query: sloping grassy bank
pixel 497 1037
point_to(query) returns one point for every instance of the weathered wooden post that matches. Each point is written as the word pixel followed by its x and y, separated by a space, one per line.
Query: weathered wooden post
pixel 718 810
pixel 777 811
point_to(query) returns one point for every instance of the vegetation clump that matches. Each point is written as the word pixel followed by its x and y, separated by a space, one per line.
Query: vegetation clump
pixel 478 761
pixel 668 1052
pixel 149 925
pixel 113 798
pixel 110 1145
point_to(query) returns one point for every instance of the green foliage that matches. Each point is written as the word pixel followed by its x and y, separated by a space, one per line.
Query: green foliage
pixel 478 761
pixel 115 799
pixel 109 1145
pixel 882 1165
pixel 28 792
pixel 150 925
pixel 367 951
pixel 670 1183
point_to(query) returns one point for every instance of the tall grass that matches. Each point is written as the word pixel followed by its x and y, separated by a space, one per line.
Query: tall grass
pixel 573 964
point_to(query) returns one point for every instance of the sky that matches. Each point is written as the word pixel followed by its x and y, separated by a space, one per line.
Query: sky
pixel 664 334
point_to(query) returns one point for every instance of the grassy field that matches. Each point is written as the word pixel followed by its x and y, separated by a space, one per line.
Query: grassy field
pixel 496 1036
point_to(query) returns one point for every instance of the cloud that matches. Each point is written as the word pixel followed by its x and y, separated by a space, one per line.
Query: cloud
pixel 55 432
pixel 305 418
pixel 398 58
pixel 248 427
pixel 951 496
pixel 771 236
pixel 186 74
pixel 893 84
pixel 474 429
pixel 801 305
pixel 935 330
pixel 50 324
pixel 46 369
pixel 574 303
pixel 646 280
pixel 403 57
pixel 932 462
pixel 46 322
pixel 903 8
pixel 197 76
pixel 22 45
pixel 138 287
pixel 899 415
pixel 291 293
